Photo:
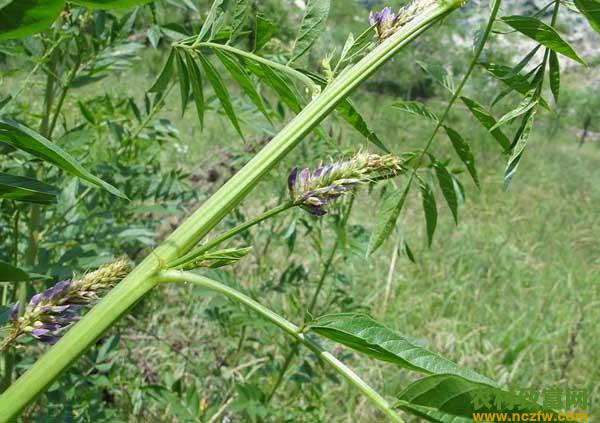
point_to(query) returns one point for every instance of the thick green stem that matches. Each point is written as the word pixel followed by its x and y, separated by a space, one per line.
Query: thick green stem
pixel 48 367
pixel 229 234
pixel 289 328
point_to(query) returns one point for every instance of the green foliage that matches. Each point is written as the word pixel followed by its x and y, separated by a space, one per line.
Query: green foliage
pixel 21 18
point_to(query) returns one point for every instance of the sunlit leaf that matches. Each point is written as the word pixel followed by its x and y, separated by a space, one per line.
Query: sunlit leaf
pixel 29 190
pixel 488 121
pixel 591 10
pixel 521 141
pixel 364 334
pixel 313 23
pixel 454 399
pixel 543 34
pixel 416 108
pixel 21 18
pixel 243 79
pixel 24 138
pixel 464 152
pixel 386 218
pixel 554 74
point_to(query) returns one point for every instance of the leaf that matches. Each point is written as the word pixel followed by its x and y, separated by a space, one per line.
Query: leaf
pixel 313 23
pixel 264 31
pixel 447 187
pixel 160 85
pixel 464 152
pixel 87 113
pixel 528 103
pixel 243 80
pixel 488 121
pixel 221 92
pixel 364 334
pixel 348 112
pixel 554 75
pixel 591 11
pixel 196 82
pixel 21 18
pixel 29 190
pixel 10 273
pixel 416 108
pixel 454 399
pixel 239 15
pixel 110 4
pixel 24 138
pixel 439 74
pixel 276 81
pixel 430 210
pixel 386 218
pixel 216 259
pixel 184 81
pixel 522 137
pixel 543 34
pixel 210 19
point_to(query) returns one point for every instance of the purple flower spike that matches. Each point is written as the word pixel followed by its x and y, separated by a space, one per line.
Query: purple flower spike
pixel 38 333
pixel 384 22
pixel 14 311
pixel 292 180
pixel 304 175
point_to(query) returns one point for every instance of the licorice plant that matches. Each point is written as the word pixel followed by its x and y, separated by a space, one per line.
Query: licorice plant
pixel 446 392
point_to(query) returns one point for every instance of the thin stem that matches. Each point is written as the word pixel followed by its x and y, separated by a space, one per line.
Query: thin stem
pixel 289 328
pixel 63 95
pixel 139 282
pixel 288 70
pixel 152 113
pixel 229 234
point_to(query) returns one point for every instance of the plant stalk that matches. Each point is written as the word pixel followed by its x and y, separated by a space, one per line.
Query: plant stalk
pixel 290 329
pixel 127 293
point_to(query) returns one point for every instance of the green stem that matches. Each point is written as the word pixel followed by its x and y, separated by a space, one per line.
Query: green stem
pixel 229 234
pixel 59 357
pixel 289 328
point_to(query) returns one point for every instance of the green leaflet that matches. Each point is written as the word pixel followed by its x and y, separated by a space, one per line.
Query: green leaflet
pixel 488 121
pixel 21 18
pixel 529 102
pixel 264 31
pixel 313 23
pixel 276 81
pixel 386 218
pixel 196 82
pixel 521 141
pixel 240 13
pixel 184 81
pixel 24 138
pixel 416 108
pixel 213 13
pixel 543 34
pixel 160 85
pixel 10 273
pixel 221 92
pixel 364 334
pixel 446 182
pixel 448 398
pixel 430 210
pixel 439 74
pixel 20 188
pixel 591 10
pixel 243 79
pixel 110 4
pixel 464 152
pixel 554 74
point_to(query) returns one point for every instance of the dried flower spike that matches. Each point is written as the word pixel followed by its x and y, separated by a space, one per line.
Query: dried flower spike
pixel 55 308
pixel 387 22
pixel 314 191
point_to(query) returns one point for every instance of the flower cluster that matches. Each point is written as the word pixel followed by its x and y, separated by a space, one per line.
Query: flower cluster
pixel 314 191
pixel 387 22
pixel 56 308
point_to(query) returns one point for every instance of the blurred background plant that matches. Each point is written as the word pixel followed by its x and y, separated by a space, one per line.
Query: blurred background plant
pixel 510 292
